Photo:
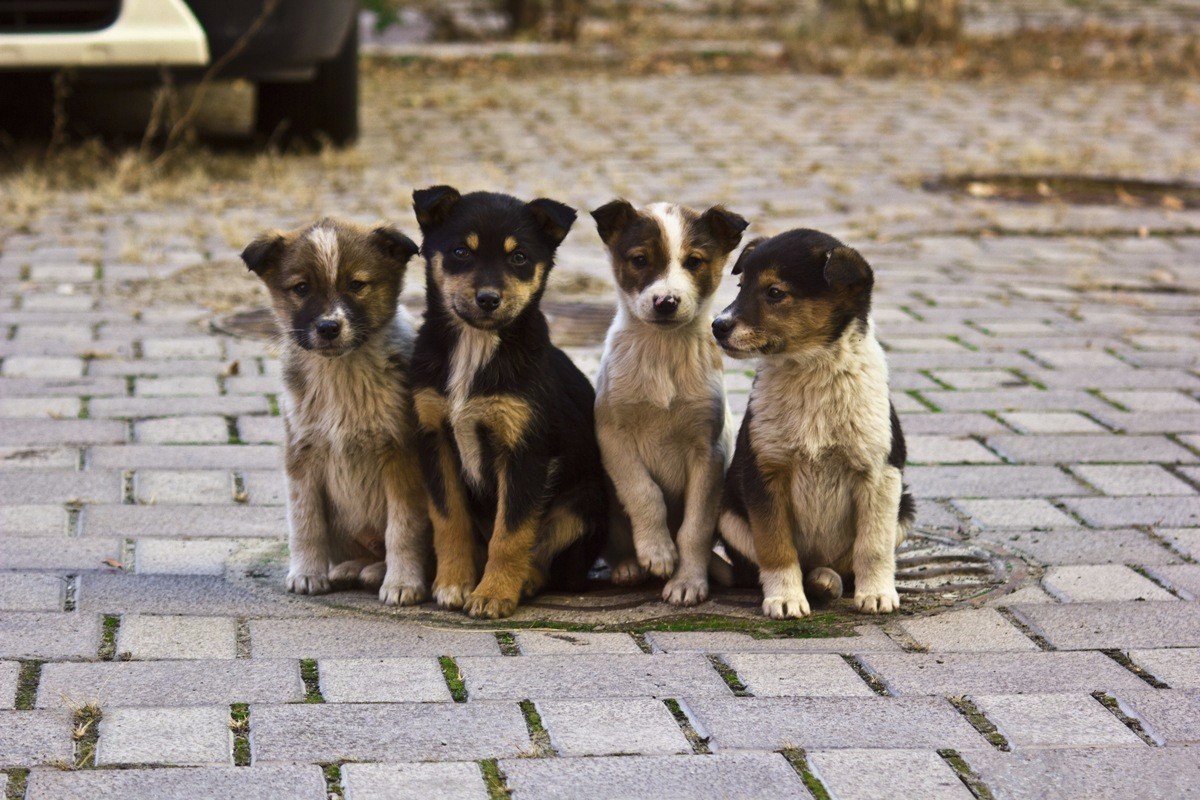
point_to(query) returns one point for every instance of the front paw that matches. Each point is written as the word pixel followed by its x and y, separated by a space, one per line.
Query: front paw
pixel 452 595
pixel 658 557
pixel 307 583
pixel 397 593
pixel 482 606
pixel 685 590
pixel 877 602
pixel 786 606
pixel 628 573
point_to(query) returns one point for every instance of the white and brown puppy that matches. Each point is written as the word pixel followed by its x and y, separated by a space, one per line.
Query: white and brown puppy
pixel 814 495
pixel 357 505
pixel 664 427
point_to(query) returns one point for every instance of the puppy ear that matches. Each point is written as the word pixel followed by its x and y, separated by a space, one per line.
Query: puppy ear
pixel 264 252
pixel 434 204
pixel 844 267
pixel 725 226
pixel 612 217
pixel 753 243
pixel 553 217
pixel 393 244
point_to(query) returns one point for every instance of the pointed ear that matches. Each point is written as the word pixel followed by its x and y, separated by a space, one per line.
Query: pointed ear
pixel 553 217
pixel 725 226
pixel 434 204
pixel 612 217
pixel 263 254
pixel 845 267
pixel 393 244
pixel 740 263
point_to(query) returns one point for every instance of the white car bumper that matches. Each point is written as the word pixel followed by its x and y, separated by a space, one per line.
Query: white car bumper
pixel 146 33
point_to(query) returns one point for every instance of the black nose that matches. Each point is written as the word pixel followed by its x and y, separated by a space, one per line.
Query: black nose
pixel 666 306
pixel 722 326
pixel 487 299
pixel 329 328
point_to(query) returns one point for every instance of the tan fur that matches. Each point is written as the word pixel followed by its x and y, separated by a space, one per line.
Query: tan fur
pixel 509 560
pixel 510 244
pixel 473 241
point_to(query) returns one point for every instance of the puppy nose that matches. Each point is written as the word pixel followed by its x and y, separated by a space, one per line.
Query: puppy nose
pixel 722 326
pixel 329 328
pixel 487 299
pixel 666 305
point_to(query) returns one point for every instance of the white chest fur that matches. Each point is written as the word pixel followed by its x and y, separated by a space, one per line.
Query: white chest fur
pixel 473 350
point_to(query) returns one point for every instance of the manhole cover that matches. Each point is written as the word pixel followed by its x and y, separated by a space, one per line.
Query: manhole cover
pixel 1073 189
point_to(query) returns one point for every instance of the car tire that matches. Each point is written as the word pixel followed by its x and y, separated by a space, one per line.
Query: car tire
pixel 322 109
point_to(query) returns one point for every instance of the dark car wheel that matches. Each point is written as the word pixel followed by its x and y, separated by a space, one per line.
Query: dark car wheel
pixel 325 107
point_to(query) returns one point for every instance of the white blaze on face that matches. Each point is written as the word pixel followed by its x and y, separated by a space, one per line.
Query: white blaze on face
pixel 675 281
pixel 325 245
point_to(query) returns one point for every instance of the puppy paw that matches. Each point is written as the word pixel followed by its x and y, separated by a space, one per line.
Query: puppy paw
pixel 372 575
pixel 882 602
pixel 345 573
pixel 659 558
pixel 686 590
pixel 793 606
pixel 395 593
pixel 453 595
pixel 482 606
pixel 301 583
pixel 628 573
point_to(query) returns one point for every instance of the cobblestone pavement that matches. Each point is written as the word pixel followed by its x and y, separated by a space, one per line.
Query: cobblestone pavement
pixel 1048 374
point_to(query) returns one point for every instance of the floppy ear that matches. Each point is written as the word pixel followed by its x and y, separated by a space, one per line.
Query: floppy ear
pixel 393 244
pixel 726 227
pixel 845 267
pixel 753 243
pixel 264 252
pixel 434 204
pixel 553 217
pixel 612 217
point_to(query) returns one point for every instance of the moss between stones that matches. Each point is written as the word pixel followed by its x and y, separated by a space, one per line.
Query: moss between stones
pixel 239 723
pixel 27 685
pixel 453 675
pixel 497 786
pixel 799 761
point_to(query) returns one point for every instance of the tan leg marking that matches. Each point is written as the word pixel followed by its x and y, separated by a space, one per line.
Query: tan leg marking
pixel 509 562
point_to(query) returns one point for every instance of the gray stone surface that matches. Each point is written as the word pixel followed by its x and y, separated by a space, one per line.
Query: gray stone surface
pixel 1132 479
pixel 561 643
pixel 195 736
pixel 10 672
pixel 170 683
pixel 1107 773
pixel 31 592
pixel 1120 512
pixel 971 630
pixel 1183 579
pixel 183 486
pixel 183 557
pixel 871 774
pixel 184 520
pixel 725 776
pixel 382 680
pixel 445 781
pixel 1084 626
pixel 952 674
pixel 1077 584
pixel 1085 546
pixel 785 675
pixel 1179 669
pixel 992 482
pixel 1023 513
pixel 174 637
pixel 29 738
pixel 359 638
pixel 261 783
pixel 49 635
pixel 1054 720
pixel 612 727
pixel 1087 448
pixel 57 486
pixel 869 638
pixel 1171 716
pixel 552 677
pixel 387 732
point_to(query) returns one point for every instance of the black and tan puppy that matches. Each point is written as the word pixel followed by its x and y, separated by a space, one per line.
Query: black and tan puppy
pixel 814 495
pixel 357 510
pixel 508 442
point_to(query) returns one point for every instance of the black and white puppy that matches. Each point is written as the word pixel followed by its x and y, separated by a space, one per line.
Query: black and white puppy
pixel 508 439
pixel 356 500
pixel 664 427
pixel 814 495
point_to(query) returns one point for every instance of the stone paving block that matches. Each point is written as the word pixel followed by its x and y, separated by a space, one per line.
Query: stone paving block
pixel 127 593
pixel 1068 359
pixel 57 552
pixel 1184 579
pixel 1178 668
pixel 150 637
pixel 1035 514
pixel 50 407
pixel 785 675
pixel 183 557
pixel 1085 448
pixel 1151 421
pixel 1132 479
pixel 46 635
pixel 576 643
pixel 1085 546
pixel 362 638
pixel 1083 583
pixel 182 430
pixel 150 407
pixel 38 432
pixel 1026 594
pixel 61 486
pixel 198 487
pixel 190 783
pixel 869 638
pixel 1170 716
pixel 1024 400
pixel 969 631
pixel 30 738
pixel 992 481
pixel 553 677
pixel 175 386
pixel 42 367
pixel 1117 512
pixel 265 488
pixel 214 456
pixel 612 727
pixel 10 672
pixel 33 520
pixel 978 378
pixel 950 674
pixel 195 736
pixel 769 723
pixel 872 774
pixel 1186 541
pixel 62 387
pixel 184 520
pixel 1104 626
pixel 950 424
pixel 1109 773
pixel 1052 422
pixel 31 592
pixel 948 450
pixel 724 776
pixel 1153 401
pixel 170 683
pixel 19 459
pixel 382 680
pixel 199 347
pixel 328 732
pixel 261 430
pixel 1054 720
pixel 451 780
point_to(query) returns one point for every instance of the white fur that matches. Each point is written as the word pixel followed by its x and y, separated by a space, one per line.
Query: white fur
pixel 474 349
pixel 675 281
pixel 325 243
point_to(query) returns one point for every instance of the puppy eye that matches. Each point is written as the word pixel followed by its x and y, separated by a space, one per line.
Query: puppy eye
pixel 461 253
pixel 693 262
pixel 300 289
pixel 357 286
pixel 639 261
pixel 776 294
pixel 518 258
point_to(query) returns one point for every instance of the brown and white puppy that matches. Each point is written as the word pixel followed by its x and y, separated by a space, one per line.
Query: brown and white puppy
pixel 664 428
pixel 357 510
pixel 814 495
